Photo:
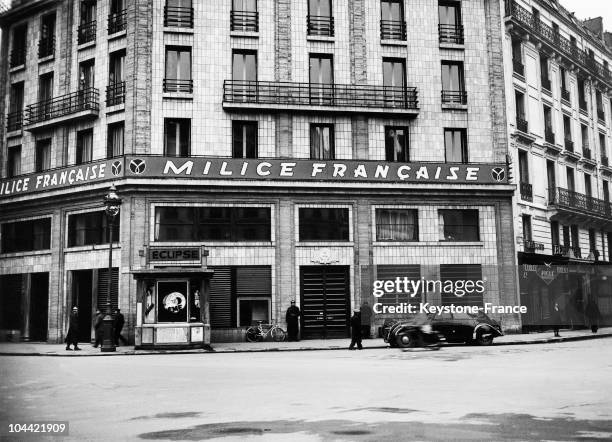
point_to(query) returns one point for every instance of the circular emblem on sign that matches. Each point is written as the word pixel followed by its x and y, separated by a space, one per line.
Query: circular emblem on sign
pixel 116 168
pixel 137 166
pixel 174 302
pixel 498 174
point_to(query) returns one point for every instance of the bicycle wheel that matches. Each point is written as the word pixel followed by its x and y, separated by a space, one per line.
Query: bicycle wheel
pixel 278 334
pixel 252 334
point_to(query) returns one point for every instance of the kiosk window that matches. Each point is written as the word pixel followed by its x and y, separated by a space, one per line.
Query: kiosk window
pixel 172 301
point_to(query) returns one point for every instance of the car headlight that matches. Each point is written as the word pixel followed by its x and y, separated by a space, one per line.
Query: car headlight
pixel 426 328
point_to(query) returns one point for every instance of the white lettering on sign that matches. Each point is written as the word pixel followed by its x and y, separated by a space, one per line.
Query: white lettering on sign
pixel 287 169
pixel 261 171
pixel 178 170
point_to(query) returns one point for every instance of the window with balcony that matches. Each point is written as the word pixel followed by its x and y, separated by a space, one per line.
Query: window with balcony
pixel 320 20
pixel 244 16
pixel 392 23
pixel 455 146
pixel 177 137
pixel 86 74
pixel 517 57
pixel 566 237
pixel 521 118
pixel 525 182
pixel 551 177
pixel 549 134
pixel 321 78
pixel 527 232
pixel 244 75
pixel 13 163
pixel 397 144
pixel 394 81
pixel 555 238
pixel 45 95
pixel 601 115
pixel 574 232
pixel 569 175
pixel 178 14
pixel 584 136
pixel 606 191
pixel 178 70
pixel 26 236
pixel 593 244
pixel 42 158
pixel 567 133
pixel 588 190
pixel 46 43
pixel 453 85
pixel 458 225
pixel 397 225
pixel 244 139
pixel 544 72
pixel 84 146
pixel 115 139
pixel 14 119
pixel 117 19
pixel 582 103
pixel 115 91
pixel 17 56
pixel 323 224
pixel 86 31
pixel 565 93
pixel 450 28
pixel 91 228
pixel 322 142
pixel 602 144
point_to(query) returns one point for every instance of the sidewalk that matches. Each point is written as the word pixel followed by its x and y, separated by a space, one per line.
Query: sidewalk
pixel 44 349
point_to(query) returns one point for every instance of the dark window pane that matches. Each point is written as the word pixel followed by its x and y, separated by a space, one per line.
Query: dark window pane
pixel 396 225
pixel 26 236
pixel 91 228
pixel 244 139
pixel 322 142
pixel 322 224
pixel 458 225
pixel 396 144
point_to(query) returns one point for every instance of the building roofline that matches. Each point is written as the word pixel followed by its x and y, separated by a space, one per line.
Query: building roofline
pixel 17 13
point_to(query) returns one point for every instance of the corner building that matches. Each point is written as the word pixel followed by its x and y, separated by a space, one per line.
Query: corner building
pixel 558 84
pixel 264 150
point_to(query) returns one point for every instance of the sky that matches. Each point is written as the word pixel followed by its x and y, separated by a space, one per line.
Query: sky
pixel 584 9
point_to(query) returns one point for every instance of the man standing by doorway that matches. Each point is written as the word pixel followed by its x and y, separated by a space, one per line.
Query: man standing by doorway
pixel 366 320
pixel 72 337
pixel 118 323
pixel 292 317
pixel 356 330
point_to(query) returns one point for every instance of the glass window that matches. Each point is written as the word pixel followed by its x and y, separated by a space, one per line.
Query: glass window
pixel 322 142
pixel 459 225
pixel 244 139
pixel 569 174
pixel 449 13
pixel 16 98
pixel 19 46
pixel 116 67
pixel 244 66
pixel 527 228
pixel 452 76
pixel 567 128
pixel 253 310
pixel 244 5
pixel 84 146
pixel 91 228
pixel 178 70
pixel 13 167
pixel 606 191
pixel 397 144
pixel 324 224
pixel 587 185
pixel 177 133
pixel 86 74
pixel 115 139
pixel 397 225
pixel 523 167
pixel 455 145
pixel 602 144
pixel 26 236
pixel 43 154
pixel 554 233
pixel 45 87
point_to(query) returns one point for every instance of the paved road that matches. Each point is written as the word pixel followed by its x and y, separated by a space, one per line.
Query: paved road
pixel 555 391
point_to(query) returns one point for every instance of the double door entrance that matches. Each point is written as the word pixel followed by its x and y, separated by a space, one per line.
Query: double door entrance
pixel 325 301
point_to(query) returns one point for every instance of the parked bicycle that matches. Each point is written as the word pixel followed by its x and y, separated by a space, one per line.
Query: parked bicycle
pixel 259 332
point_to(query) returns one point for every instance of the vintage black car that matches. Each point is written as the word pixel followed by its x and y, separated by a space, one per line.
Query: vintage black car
pixel 454 327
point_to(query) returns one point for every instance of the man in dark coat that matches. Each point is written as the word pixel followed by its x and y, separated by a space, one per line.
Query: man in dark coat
pixel 366 320
pixel 593 315
pixel 98 328
pixel 292 318
pixel 356 330
pixel 118 323
pixel 72 337
pixel 555 318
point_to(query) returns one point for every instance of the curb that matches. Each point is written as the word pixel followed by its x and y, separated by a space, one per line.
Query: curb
pixel 264 350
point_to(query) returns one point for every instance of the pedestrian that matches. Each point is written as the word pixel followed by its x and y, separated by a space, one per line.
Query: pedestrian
pixel 555 318
pixel 366 320
pixel 118 323
pixel 98 328
pixel 292 316
pixel 72 337
pixel 593 315
pixel 356 330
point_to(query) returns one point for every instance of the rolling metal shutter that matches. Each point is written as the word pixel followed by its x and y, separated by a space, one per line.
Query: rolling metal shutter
pixel 461 272
pixel 103 288
pixel 221 298
pixel 390 273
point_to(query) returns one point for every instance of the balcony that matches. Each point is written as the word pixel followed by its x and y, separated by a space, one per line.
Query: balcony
pixel 575 252
pixel 115 93
pixel 451 34
pixel 519 68
pixel 86 32
pixel 454 97
pixel 14 121
pixel 526 191
pixel 82 104
pixel 46 47
pixel 532 246
pixel 117 22
pixel 318 97
pixel 545 83
pixel 605 161
pixel 178 17
pixel 586 153
pixel 245 21
pixel 319 25
pixel 565 95
pixel 522 130
pixel 569 145
pixel 17 57
pixel 549 135
pixel 180 86
pixel 560 250
pixel 393 30
pixel 573 205
pixel 545 34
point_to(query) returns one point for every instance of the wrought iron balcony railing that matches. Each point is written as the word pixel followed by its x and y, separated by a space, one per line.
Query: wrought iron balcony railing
pixel 549 135
pixel 576 251
pixel 604 161
pixel 178 16
pixel 519 68
pixel 117 22
pixel 17 57
pixel 545 33
pixel 526 191
pixel 565 95
pixel 320 25
pixel 586 152
pixel 451 34
pixel 115 93
pixel 454 97
pixel 569 145
pixel 531 245
pixel 560 249
pixel 545 83
pixel 57 107
pixel 246 21
pixel 14 121
pixel 522 125
pixel 46 47
pixel 86 32
pixel 579 202
pixel 175 85
pixel 392 30
pixel 318 94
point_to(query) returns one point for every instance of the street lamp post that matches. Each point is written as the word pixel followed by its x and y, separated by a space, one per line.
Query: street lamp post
pixel 112 205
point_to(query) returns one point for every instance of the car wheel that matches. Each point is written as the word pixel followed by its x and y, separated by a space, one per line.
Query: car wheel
pixel 404 340
pixel 483 338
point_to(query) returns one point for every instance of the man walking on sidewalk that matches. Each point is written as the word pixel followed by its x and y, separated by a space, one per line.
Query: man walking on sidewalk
pixel 356 330
pixel 72 337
